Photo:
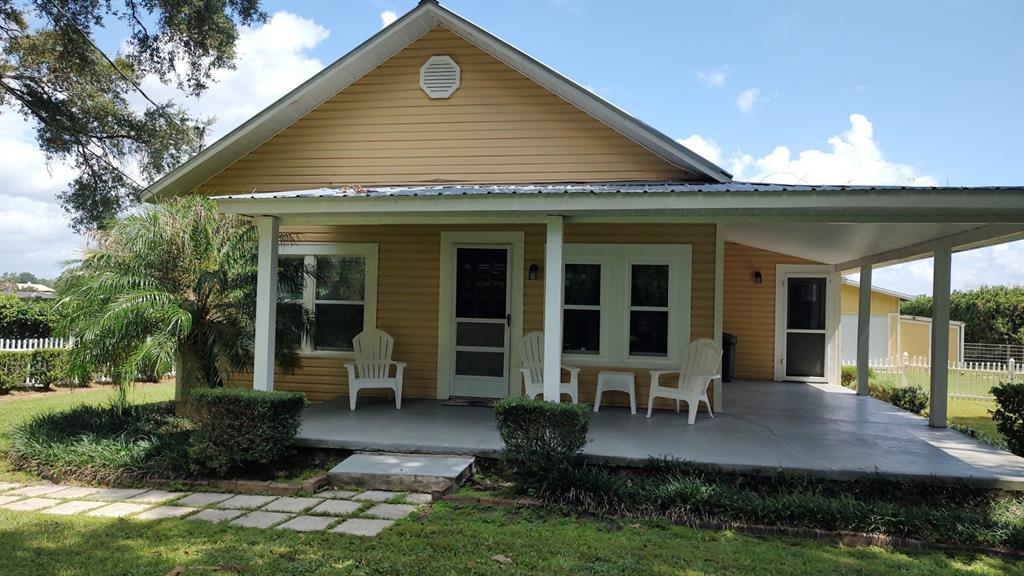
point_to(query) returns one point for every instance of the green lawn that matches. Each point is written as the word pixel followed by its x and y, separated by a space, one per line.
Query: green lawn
pixel 444 541
pixel 975 414
pixel 14 410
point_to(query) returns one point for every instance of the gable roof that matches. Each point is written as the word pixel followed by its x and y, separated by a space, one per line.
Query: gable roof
pixel 899 295
pixel 377 50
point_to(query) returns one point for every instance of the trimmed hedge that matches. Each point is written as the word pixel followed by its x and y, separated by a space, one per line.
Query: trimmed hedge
pixel 1009 414
pixel 542 441
pixel 239 428
pixel 910 398
pixel 13 370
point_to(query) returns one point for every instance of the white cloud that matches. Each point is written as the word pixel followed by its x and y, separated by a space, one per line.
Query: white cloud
pixel 746 100
pixel 853 157
pixel 387 17
pixel 34 236
pixel 1002 264
pixel 714 78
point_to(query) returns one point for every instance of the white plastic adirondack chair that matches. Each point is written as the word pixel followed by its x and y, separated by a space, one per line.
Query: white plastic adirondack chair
pixel 372 367
pixel 702 364
pixel 533 370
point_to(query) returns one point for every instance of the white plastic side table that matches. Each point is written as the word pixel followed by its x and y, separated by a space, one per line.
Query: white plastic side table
pixel 617 381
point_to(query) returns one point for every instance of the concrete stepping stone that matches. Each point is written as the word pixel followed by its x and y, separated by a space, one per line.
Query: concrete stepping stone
pixel 5 486
pixel 116 494
pixel 8 500
pixel 362 526
pixel 376 495
pixel 39 490
pixel 345 494
pixel 336 507
pixel 203 499
pixel 118 510
pixel 156 496
pixel 74 492
pixel 307 523
pixel 74 507
pixel 246 501
pixel 164 512
pixel 292 504
pixel 30 504
pixel 216 515
pixel 418 498
pixel 261 519
pixel 400 472
pixel 390 511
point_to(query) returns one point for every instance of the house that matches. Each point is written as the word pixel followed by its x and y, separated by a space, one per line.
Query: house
pixel 458 194
pixel 891 334
pixel 30 291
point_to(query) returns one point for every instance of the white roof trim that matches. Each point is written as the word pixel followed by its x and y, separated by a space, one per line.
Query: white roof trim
pixel 887 292
pixel 377 50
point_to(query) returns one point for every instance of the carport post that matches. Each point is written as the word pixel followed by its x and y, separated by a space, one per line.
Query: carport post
pixel 864 330
pixel 553 309
pixel 940 338
pixel 266 303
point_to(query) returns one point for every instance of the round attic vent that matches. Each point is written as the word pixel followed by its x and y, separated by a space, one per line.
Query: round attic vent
pixel 440 76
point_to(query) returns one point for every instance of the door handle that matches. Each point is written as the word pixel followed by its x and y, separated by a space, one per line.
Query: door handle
pixel 508 320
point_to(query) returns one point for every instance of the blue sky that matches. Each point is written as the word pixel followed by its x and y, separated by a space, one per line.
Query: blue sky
pixel 894 93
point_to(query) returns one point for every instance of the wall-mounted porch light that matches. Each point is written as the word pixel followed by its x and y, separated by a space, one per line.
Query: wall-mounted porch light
pixel 532 273
pixel 758 277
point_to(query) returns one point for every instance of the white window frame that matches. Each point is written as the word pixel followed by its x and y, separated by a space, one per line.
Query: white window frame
pixel 369 252
pixel 616 262
pixel 600 306
pixel 628 273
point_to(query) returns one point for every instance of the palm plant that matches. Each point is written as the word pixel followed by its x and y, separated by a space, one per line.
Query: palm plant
pixel 173 284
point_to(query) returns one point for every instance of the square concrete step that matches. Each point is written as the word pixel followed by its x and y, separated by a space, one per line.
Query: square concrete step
pixel 400 472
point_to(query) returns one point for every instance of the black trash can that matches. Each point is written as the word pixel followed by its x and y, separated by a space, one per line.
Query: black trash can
pixel 728 356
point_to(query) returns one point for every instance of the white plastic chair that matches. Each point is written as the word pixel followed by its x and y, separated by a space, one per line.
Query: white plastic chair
pixel 372 366
pixel 702 364
pixel 533 370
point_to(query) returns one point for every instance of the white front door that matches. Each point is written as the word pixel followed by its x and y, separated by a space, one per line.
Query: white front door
pixel 481 319
pixel 805 326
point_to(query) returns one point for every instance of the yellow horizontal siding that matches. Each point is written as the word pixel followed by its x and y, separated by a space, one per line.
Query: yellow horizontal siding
pixel 749 308
pixel 408 295
pixel 849 301
pixel 498 127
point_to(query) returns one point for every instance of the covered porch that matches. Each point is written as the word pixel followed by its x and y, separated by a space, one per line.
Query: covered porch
pixel 809 428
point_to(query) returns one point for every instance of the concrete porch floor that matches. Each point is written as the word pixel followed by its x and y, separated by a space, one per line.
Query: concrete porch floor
pixel 819 429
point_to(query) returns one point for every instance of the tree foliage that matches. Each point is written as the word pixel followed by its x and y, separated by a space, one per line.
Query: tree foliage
pixel 21 319
pixel 172 284
pixel 992 314
pixel 85 105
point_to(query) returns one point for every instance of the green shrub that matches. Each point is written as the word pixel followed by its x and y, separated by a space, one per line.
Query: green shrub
pixel 13 370
pixel 1009 414
pixel 48 366
pixel 239 428
pixel 23 319
pixel 104 444
pixel 848 376
pixel 542 440
pixel 910 398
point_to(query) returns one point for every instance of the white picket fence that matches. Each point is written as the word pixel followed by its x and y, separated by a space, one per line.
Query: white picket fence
pixel 32 344
pixel 966 379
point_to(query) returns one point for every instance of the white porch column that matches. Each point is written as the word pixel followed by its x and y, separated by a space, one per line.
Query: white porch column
pixel 553 278
pixel 266 303
pixel 940 338
pixel 719 306
pixel 863 330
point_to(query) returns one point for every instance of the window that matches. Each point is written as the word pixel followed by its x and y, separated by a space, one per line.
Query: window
pixel 581 314
pixel 648 310
pixel 626 305
pixel 341 297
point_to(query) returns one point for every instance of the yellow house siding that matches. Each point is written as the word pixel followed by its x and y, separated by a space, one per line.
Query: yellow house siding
pixel 915 339
pixel 498 127
pixel 849 299
pixel 749 311
pixel 408 295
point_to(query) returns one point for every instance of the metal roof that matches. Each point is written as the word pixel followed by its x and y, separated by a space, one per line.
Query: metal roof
pixel 584 188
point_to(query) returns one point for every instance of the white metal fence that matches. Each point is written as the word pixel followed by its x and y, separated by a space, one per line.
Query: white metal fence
pixel 966 379
pixel 31 344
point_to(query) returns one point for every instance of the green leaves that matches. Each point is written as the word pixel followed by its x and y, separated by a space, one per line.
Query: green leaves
pixel 173 280
pixel 992 314
pixel 86 105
